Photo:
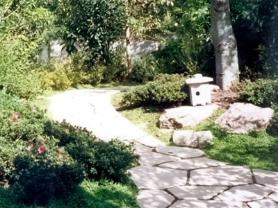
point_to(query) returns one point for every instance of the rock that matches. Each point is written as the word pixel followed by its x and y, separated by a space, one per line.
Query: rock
pixel 146 177
pixel 247 193
pixel 154 199
pixel 274 197
pixel 221 176
pixel 196 192
pixel 267 178
pixel 245 118
pixel 185 116
pixel 264 203
pixel 191 164
pixel 181 152
pixel 193 203
pixel 193 139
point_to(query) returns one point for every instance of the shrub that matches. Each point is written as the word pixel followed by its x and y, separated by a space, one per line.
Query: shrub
pixel 101 160
pixel 165 90
pixel 273 129
pixel 39 180
pixel 116 70
pixel 262 92
pixel 19 120
pixel 145 68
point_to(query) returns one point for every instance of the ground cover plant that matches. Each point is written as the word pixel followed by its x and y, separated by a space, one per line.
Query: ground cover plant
pixel 43 161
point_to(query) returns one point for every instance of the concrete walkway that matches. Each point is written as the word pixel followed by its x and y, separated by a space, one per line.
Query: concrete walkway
pixel 168 177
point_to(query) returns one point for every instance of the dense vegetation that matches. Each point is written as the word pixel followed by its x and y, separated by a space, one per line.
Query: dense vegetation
pixel 42 160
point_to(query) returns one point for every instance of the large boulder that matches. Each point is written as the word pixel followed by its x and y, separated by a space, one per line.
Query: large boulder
pixel 245 118
pixel 185 116
pixel 188 138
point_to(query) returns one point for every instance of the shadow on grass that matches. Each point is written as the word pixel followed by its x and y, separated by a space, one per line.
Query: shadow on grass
pixel 89 194
pixel 256 149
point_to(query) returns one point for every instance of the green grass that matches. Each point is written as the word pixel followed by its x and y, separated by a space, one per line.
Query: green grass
pixel 144 117
pixel 89 195
pixel 255 150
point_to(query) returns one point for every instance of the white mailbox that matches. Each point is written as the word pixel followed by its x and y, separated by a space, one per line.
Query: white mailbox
pixel 200 92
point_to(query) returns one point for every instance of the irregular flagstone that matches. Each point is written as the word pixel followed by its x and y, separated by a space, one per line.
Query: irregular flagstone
pixel 193 203
pixel 154 199
pixel 246 193
pixel 181 152
pixel 153 158
pixel 196 192
pixel 274 197
pixel 142 149
pixel 146 177
pixel 264 203
pixel 221 176
pixel 193 163
pixel 267 178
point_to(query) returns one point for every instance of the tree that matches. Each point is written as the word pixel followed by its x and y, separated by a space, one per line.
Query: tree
pixel 93 24
pixel 225 45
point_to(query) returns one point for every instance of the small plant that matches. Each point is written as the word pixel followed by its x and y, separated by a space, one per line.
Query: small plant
pixel 165 90
pixel 145 68
pixel 262 92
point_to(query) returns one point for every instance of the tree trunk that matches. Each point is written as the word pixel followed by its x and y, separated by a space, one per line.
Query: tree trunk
pixel 128 56
pixel 225 46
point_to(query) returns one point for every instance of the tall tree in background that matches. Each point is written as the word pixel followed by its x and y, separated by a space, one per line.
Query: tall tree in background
pixel 225 45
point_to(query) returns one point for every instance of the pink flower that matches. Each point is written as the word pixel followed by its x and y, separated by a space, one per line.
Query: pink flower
pixel 41 149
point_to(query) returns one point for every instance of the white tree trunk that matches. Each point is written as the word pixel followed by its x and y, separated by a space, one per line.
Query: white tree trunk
pixel 225 46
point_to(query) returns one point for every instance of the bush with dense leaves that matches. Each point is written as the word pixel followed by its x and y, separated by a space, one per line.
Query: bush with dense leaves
pixel 262 92
pixel 145 68
pixel 164 90
pixel 37 180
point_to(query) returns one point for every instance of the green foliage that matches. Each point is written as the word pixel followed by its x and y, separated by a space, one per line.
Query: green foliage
pixel 94 24
pixel 273 129
pixel 116 70
pixel 38 179
pixel 165 90
pixel 257 150
pixel 262 92
pixel 101 160
pixel 89 194
pixel 145 68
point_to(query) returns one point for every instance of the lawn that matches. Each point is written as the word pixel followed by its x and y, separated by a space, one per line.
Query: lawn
pixel 102 194
pixel 255 150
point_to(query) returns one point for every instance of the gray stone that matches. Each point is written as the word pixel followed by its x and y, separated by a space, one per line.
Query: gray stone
pixel 274 197
pixel 267 178
pixel 221 176
pixel 264 203
pixel 190 164
pixel 154 199
pixel 193 203
pixel 245 118
pixel 185 116
pixel 153 158
pixel 247 193
pixel 196 192
pixel 146 177
pixel 193 139
pixel 142 149
pixel 181 152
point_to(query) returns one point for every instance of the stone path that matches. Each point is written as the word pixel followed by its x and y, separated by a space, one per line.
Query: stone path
pixel 168 177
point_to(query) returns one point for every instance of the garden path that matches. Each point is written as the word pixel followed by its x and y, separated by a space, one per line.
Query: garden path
pixel 168 177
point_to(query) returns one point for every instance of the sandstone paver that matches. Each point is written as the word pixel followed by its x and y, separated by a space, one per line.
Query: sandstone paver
pixel 221 176
pixel 181 152
pixel 193 203
pixel 274 197
pixel 264 203
pixel 146 177
pixel 246 193
pixel 154 199
pixel 196 192
pixel 267 178
pixel 193 163
pixel 153 158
